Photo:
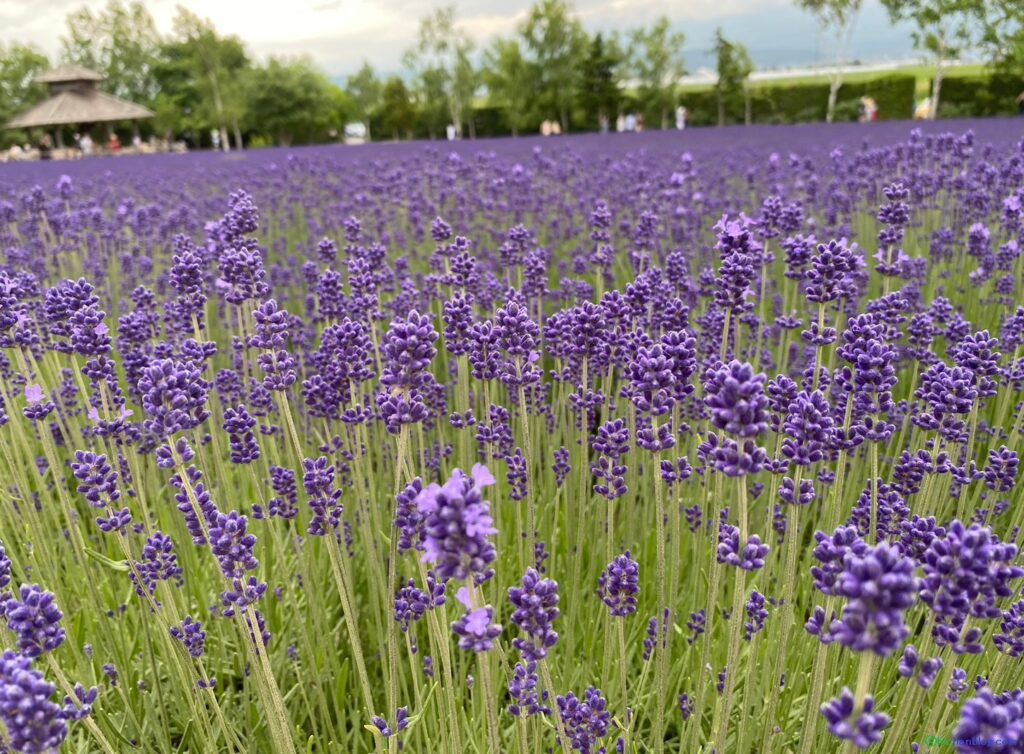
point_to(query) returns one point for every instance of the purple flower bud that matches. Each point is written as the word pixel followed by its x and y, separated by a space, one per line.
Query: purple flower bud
pixel 864 726
pixel 35 618
pixel 536 608
pixel 619 584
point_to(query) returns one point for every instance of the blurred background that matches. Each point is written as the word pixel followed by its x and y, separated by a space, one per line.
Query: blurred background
pixel 130 77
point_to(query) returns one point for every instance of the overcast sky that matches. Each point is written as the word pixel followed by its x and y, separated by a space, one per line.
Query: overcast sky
pixel 340 34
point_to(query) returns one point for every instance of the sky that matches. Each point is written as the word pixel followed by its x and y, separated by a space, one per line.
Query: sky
pixel 340 34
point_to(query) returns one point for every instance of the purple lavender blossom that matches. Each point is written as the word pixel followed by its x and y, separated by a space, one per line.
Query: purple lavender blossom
pixel 863 726
pixel 586 721
pixel 34 616
pixel 457 524
pixel 536 608
pixel 33 723
pixel 619 584
pixel 476 629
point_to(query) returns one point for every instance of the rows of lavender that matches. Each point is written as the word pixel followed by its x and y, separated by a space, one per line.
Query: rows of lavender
pixel 519 450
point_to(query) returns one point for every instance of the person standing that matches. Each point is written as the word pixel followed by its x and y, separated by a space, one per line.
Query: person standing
pixel 680 118
pixel 45 147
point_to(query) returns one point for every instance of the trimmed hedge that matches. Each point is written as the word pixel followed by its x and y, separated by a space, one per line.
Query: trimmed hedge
pixel 803 103
pixel 807 102
pixel 978 96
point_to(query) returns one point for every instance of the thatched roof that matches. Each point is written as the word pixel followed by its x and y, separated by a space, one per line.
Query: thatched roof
pixel 68 72
pixel 79 106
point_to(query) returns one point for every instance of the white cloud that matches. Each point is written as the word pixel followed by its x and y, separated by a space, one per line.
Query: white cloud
pixel 339 34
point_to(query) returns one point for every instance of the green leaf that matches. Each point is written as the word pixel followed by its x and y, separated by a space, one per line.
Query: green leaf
pixel 117 565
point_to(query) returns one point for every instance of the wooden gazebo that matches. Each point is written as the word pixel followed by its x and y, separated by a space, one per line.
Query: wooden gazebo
pixel 74 99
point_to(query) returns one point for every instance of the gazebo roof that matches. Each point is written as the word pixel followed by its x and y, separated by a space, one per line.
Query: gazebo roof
pixel 68 72
pixel 79 106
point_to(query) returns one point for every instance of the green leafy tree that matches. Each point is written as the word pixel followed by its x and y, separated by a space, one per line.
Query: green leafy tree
pixel 120 42
pixel 465 84
pixel 218 67
pixel 734 69
pixel 178 103
pixel 440 60
pixel 509 80
pixel 1003 36
pixel 19 65
pixel 396 109
pixel 556 41
pixel 364 89
pixel 292 102
pixel 836 19
pixel 430 104
pixel 944 28
pixel 656 60
pixel 599 79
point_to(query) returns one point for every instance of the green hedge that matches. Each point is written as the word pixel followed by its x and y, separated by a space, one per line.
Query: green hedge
pixel 803 103
pixel 978 96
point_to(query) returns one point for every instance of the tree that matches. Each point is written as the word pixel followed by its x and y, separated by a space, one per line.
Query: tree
pixel 441 57
pixel 734 68
pixel 178 103
pixel 364 89
pixel 508 79
pixel 397 113
pixel 836 18
pixel 556 40
pixel 599 79
pixel 19 65
pixel 292 102
pixel 1003 36
pixel 430 102
pixel 219 67
pixel 466 82
pixel 656 60
pixel 944 27
pixel 120 42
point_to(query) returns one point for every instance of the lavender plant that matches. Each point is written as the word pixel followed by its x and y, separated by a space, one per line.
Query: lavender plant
pixel 766 397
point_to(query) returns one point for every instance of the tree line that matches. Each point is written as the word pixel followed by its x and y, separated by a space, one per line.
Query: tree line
pixel 199 81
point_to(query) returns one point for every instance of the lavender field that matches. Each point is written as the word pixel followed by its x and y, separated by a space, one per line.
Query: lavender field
pixel 645 443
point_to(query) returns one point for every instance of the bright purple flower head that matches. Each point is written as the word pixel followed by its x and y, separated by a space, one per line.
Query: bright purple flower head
pixel 192 636
pixel 864 728
pixel 408 349
pixel 33 723
pixel 35 618
pixel 990 718
pixel 880 585
pixel 233 545
pixel 476 629
pixel 324 498
pixel 586 721
pixel 830 267
pixel 241 439
pixel 457 524
pixel 966 572
pixel 757 613
pixel 173 397
pixel 536 608
pixel 737 401
pixel 619 584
